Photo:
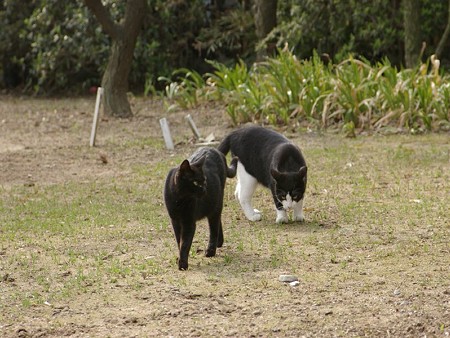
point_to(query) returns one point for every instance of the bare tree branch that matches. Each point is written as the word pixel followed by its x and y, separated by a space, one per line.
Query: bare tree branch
pixel 103 17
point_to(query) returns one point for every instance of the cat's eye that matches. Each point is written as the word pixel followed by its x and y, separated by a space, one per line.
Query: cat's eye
pixel 198 184
pixel 281 194
pixel 296 195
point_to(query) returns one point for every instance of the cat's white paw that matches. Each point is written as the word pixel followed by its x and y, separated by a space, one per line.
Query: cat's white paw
pixel 256 216
pixel 281 220
pixel 298 212
pixel 299 218
pixel 282 217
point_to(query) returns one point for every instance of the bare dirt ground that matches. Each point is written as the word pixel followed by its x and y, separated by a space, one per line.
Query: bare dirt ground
pixel 367 267
pixel 54 136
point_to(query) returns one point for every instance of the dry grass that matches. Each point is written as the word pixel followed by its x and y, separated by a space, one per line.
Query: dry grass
pixel 86 248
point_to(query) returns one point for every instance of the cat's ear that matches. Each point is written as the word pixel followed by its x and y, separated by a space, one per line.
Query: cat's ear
pixel 303 170
pixel 302 173
pixel 275 174
pixel 185 166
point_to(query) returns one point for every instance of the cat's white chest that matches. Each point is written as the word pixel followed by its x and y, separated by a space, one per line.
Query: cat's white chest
pixel 288 203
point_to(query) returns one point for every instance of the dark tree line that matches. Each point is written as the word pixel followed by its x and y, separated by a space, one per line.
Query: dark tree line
pixel 51 46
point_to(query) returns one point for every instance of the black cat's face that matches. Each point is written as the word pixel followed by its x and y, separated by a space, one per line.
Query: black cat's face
pixel 190 178
pixel 290 187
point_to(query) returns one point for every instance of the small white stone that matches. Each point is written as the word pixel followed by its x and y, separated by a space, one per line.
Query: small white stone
pixel 287 278
pixel 294 283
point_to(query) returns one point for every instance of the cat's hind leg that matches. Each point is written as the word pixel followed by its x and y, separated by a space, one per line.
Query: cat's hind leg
pixel 298 211
pixel 245 188
pixel 220 238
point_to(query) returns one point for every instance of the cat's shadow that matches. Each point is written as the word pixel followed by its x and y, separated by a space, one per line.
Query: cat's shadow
pixel 228 262
pixel 307 226
pixel 233 260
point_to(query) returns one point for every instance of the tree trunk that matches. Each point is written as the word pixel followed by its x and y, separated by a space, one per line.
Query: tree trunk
pixel 444 37
pixel 124 37
pixel 411 24
pixel 265 12
pixel 115 81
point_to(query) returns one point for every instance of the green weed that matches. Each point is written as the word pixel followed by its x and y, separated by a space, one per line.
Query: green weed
pixel 354 94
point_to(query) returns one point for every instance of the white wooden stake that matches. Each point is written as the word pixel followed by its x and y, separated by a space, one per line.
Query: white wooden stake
pixel 193 126
pixel 96 114
pixel 166 133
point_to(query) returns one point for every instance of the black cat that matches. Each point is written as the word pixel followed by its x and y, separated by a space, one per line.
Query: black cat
pixel 193 191
pixel 268 158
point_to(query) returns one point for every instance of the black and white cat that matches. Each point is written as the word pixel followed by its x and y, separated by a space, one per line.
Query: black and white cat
pixel 193 191
pixel 268 158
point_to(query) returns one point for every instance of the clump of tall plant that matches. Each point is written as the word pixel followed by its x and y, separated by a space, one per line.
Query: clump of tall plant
pixel 353 94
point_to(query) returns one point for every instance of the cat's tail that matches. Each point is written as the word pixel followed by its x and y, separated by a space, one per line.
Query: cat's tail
pixel 224 146
pixel 231 170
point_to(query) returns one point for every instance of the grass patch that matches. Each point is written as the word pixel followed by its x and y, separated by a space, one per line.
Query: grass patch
pixel 376 211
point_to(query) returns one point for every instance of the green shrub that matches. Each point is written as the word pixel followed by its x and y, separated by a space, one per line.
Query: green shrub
pixel 353 94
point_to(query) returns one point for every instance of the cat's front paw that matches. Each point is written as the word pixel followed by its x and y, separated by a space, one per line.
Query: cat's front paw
pixel 182 265
pixel 298 212
pixel 299 218
pixel 210 252
pixel 282 217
